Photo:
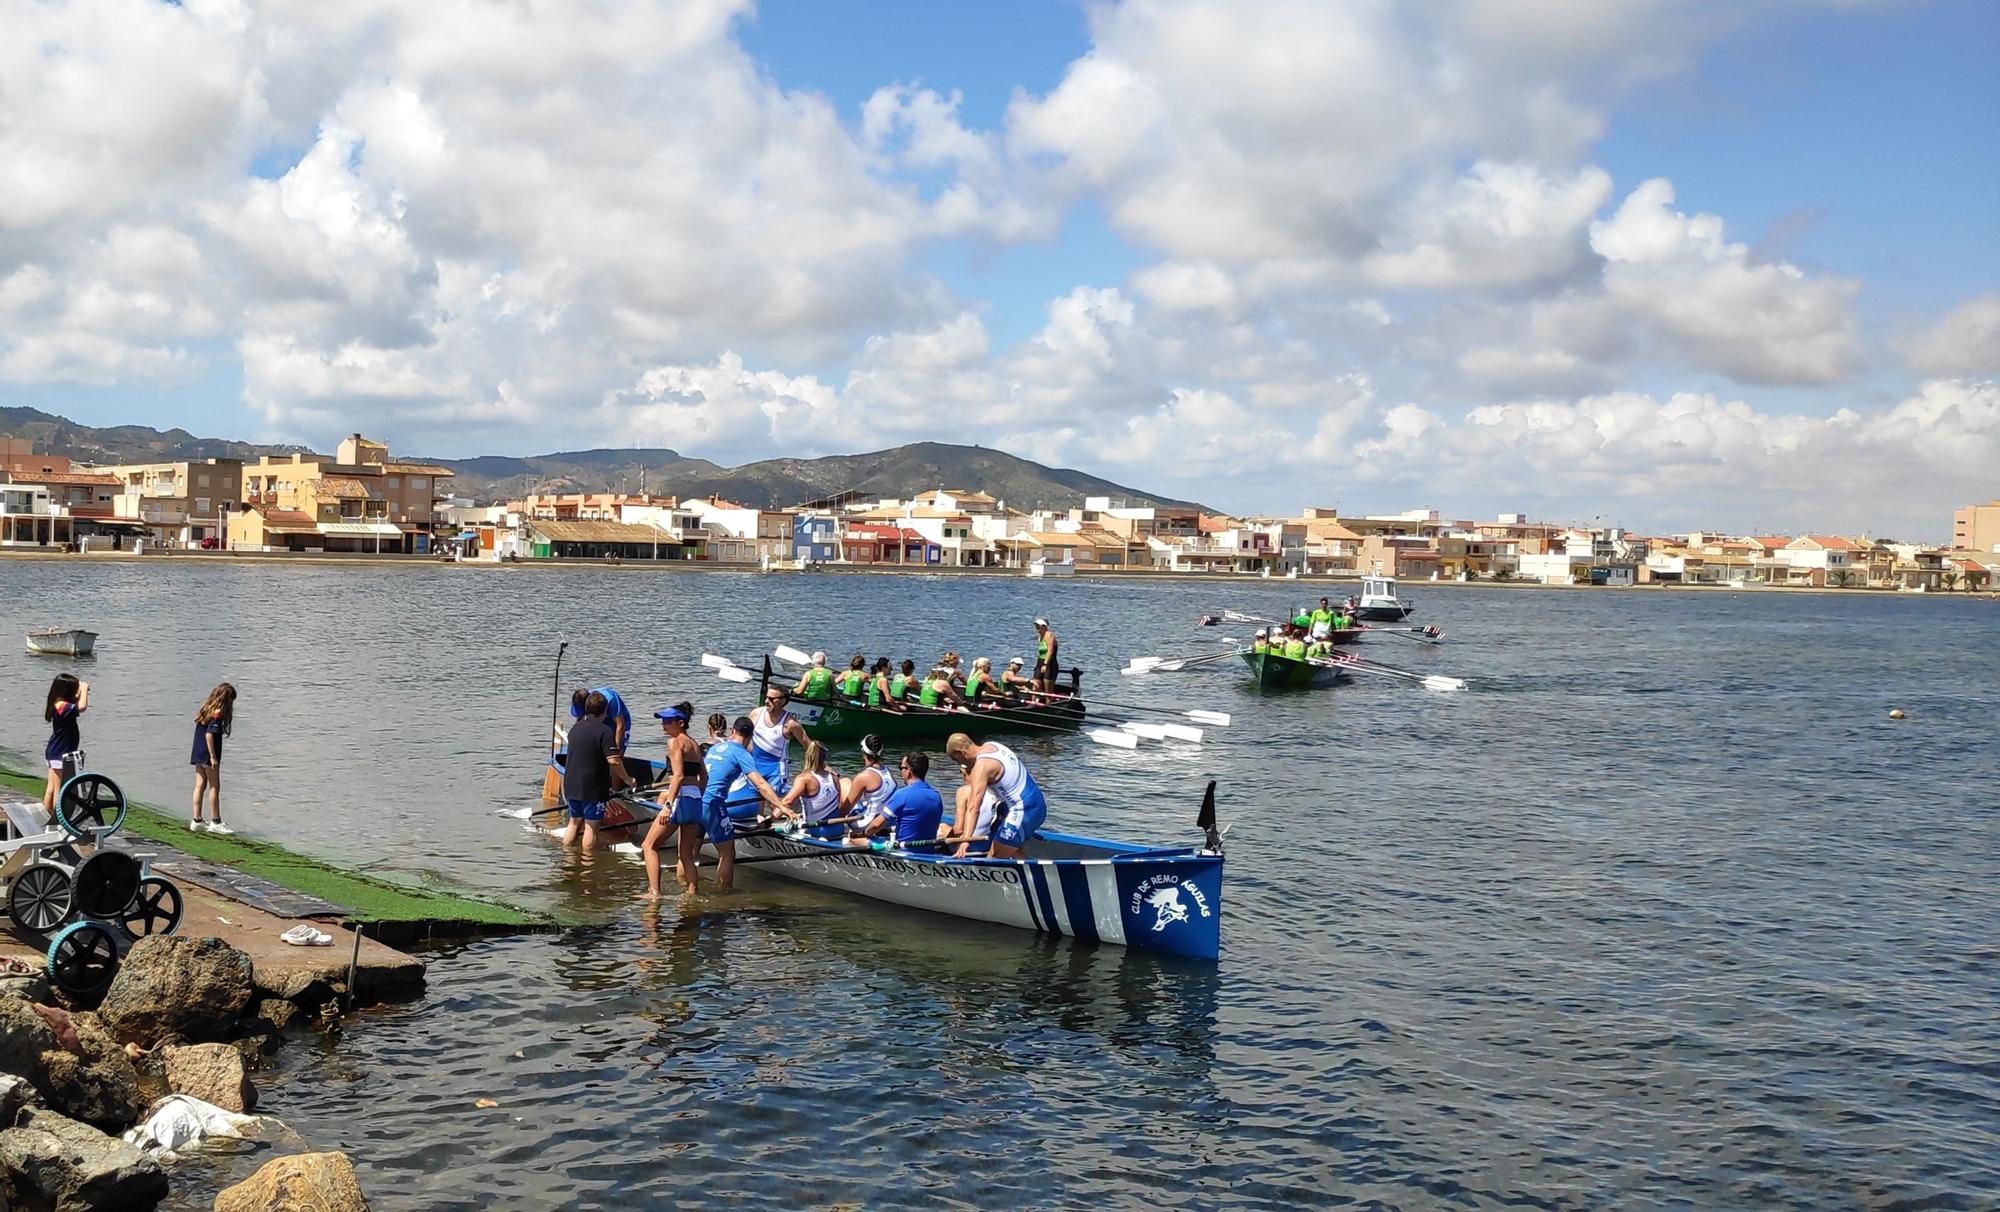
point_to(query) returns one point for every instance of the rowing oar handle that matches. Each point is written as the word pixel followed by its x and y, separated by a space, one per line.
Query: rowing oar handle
pixel 626 794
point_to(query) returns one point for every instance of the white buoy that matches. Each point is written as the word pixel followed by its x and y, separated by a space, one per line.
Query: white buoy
pixel 1896 713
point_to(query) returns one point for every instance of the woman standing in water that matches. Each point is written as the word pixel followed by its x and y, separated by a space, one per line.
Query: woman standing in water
pixel 68 699
pixel 211 723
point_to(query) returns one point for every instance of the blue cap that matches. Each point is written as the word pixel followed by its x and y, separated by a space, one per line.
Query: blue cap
pixel 672 713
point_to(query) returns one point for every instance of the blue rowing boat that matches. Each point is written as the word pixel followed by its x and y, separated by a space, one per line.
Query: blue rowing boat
pixel 1158 898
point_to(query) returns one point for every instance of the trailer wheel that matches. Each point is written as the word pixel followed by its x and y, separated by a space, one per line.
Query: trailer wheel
pixel 39 901
pixel 83 959
pixel 89 802
pixel 105 885
pixel 156 910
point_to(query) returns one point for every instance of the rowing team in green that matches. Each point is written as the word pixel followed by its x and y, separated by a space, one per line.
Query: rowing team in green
pixel 1309 634
pixel 945 687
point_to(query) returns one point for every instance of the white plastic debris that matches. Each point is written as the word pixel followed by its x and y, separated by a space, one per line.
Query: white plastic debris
pixel 307 936
pixel 181 1121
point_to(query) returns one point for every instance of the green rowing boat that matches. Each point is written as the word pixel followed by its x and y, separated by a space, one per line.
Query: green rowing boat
pixel 847 721
pixel 1274 672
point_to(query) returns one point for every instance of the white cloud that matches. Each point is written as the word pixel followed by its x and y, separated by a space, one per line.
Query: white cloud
pixel 1762 323
pixel 1965 341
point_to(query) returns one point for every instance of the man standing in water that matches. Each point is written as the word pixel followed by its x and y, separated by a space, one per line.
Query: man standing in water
pixel 1022 808
pixel 774 729
pixel 591 771
pixel 1045 657
pixel 732 797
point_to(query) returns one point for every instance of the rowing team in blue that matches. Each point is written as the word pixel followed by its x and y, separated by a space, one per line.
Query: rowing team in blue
pixel 738 783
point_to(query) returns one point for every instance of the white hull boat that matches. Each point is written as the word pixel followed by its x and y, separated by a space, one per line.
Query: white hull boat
pixel 1051 568
pixel 1157 898
pixel 74 642
pixel 1378 602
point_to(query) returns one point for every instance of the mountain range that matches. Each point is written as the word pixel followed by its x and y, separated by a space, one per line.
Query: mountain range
pixel 898 472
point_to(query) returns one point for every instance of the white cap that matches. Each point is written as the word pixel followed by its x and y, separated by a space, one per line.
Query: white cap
pixel 1018 661
pixel 819 658
pixel 1261 631
pixel 1041 622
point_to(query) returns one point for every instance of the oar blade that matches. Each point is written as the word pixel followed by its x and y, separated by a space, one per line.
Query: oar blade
pixel 733 674
pixel 1438 681
pixel 1133 671
pixel 1152 732
pixel 1181 732
pixel 713 661
pixel 1112 737
pixel 791 655
pixel 1218 718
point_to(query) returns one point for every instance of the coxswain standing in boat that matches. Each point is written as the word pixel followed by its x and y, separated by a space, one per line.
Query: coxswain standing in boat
pixel 1022 807
pixel 913 812
pixel 1323 620
pixel 866 794
pixel 775 728
pixel 733 796
pixel 816 683
pixel 1045 657
pixel 593 769
pixel 680 803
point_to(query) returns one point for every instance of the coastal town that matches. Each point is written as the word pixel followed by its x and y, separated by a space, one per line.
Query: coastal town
pixel 362 500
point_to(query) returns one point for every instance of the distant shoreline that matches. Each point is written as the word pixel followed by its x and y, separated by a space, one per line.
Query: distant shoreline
pixel 1101 575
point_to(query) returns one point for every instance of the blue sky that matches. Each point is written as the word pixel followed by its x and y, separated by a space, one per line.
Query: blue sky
pixel 1153 240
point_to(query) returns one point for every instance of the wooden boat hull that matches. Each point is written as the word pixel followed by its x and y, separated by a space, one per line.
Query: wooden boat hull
pixel 76 642
pixel 1167 900
pixel 1283 673
pixel 836 723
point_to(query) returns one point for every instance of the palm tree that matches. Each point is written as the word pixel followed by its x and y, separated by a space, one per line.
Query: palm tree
pixel 1975 580
pixel 1840 579
pixel 1949 577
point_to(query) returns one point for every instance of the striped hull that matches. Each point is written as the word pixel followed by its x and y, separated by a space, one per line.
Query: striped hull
pixel 1167 900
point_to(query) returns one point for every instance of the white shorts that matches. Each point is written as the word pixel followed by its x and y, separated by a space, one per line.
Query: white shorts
pixel 55 764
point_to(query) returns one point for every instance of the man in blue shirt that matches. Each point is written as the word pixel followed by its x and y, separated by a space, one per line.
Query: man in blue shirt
pixel 616 713
pixel 734 794
pixel 915 810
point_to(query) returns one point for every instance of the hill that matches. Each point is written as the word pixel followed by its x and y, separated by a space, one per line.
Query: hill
pixel 897 472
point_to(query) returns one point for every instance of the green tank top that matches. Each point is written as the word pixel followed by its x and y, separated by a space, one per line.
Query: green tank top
pixel 898 686
pixel 929 695
pixel 1295 648
pixel 819 684
pixel 1259 646
pixel 1323 616
pixel 1042 649
pixel 850 683
pixel 874 692
pixel 972 690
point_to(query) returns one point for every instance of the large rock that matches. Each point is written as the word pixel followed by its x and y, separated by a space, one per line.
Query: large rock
pixel 53 1161
pixel 323 1182
pixel 17 1094
pixel 91 1079
pixel 170 987
pixel 212 1073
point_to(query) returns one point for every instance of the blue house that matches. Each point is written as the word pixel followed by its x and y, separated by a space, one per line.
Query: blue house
pixel 815 537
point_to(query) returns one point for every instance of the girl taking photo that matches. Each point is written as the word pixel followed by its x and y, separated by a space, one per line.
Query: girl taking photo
pixel 68 699
pixel 211 724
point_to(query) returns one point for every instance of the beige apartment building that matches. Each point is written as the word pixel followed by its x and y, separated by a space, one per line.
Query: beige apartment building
pixel 1976 528
pixel 184 502
pixel 360 500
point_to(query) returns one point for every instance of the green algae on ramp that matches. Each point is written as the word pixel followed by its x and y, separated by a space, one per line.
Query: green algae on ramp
pixel 370 900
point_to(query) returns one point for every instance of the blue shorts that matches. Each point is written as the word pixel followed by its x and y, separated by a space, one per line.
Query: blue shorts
pixel 586 810
pixel 773 770
pixel 1021 825
pixel 686 810
pixel 721 827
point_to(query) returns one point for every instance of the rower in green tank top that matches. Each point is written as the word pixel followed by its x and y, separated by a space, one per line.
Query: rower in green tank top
pixel 817 681
pixel 901 686
pixel 855 679
pixel 1258 644
pixel 1295 648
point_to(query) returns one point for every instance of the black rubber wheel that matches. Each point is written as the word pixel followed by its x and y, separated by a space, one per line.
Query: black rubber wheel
pixel 106 884
pixel 156 910
pixel 88 802
pixel 83 958
pixel 39 901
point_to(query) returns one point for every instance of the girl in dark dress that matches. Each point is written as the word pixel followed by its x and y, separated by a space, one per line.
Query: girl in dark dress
pixel 211 724
pixel 68 699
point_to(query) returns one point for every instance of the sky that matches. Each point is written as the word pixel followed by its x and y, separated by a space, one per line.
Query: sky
pixel 1674 264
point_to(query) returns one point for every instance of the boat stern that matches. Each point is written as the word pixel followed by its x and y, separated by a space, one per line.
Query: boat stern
pixel 1171 903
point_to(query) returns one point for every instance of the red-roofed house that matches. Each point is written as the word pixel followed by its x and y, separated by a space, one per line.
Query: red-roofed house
pixel 886 543
pixel 1819 559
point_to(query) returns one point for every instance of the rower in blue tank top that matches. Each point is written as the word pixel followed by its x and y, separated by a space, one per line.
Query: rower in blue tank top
pixel 616 713
pixel 1022 805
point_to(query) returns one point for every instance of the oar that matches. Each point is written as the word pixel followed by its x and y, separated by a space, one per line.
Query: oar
pixel 1018 720
pixel 1430 681
pixel 1422 635
pixel 1219 719
pixel 1174 665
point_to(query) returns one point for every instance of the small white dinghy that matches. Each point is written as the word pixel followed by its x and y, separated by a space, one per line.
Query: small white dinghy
pixel 53 642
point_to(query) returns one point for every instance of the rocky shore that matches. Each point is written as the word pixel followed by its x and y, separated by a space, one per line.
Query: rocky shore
pixel 183 1016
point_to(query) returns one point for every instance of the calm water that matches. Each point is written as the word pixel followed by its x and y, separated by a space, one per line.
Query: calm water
pixel 1663 912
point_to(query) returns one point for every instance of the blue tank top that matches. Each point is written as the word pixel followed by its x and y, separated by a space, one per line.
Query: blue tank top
pixel 65 733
